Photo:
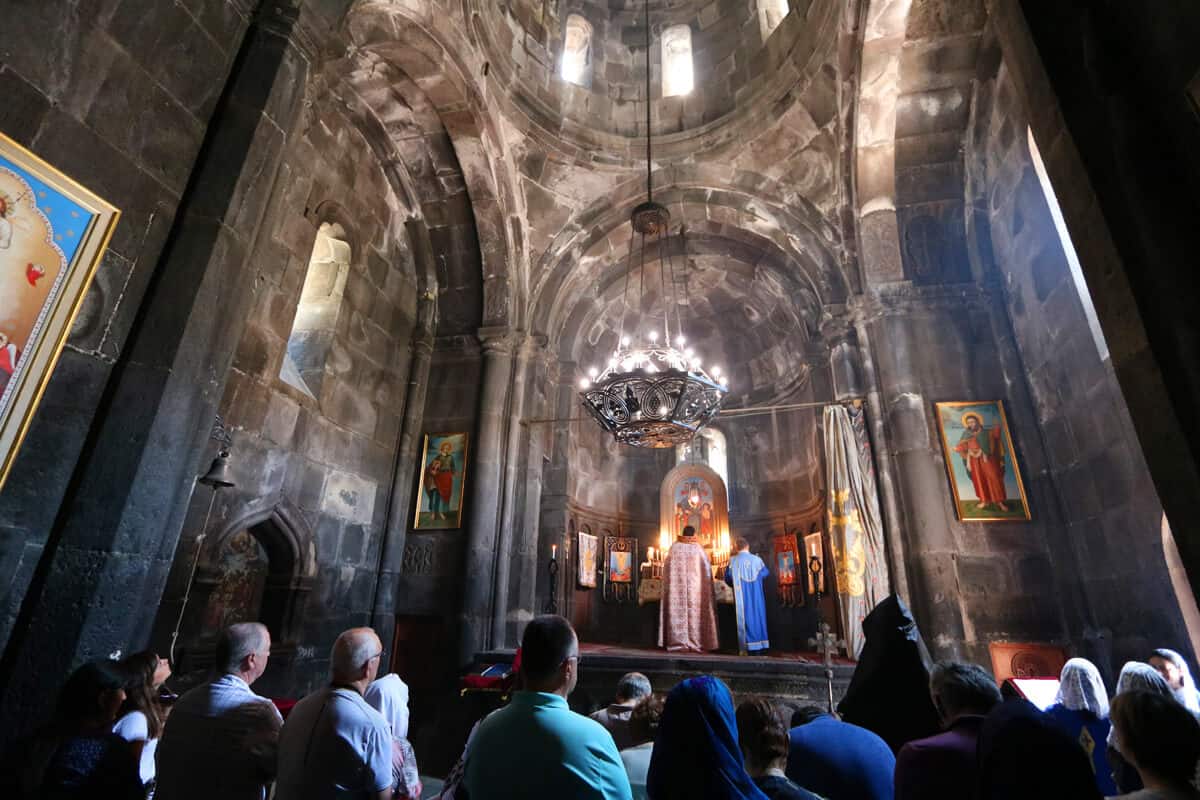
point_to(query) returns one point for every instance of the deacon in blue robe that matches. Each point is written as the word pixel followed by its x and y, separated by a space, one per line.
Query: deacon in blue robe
pixel 745 574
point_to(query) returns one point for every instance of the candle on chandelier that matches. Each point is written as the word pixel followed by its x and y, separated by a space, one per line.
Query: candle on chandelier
pixel 553 552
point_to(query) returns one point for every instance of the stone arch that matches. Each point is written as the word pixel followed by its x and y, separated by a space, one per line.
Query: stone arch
pixel 414 71
pixel 919 64
pixel 291 552
pixel 797 233
pixel 670 521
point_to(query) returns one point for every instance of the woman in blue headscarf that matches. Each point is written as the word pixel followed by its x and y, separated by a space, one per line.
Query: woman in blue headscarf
pixel 696 753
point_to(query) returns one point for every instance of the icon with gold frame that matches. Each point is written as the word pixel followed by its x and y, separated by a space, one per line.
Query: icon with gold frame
pixel 443 470
pixel 985 479
pixel 53 233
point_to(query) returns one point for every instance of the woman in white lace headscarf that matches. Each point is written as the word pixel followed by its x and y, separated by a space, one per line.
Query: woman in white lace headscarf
pixel 1177 675
pixel 389 696
pixel 1081 709
pixel 1135 676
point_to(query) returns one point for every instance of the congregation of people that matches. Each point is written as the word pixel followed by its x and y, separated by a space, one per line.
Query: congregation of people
pixel 118 733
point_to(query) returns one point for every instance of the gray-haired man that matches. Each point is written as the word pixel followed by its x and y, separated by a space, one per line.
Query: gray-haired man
pixel 220 739
pixel 632 687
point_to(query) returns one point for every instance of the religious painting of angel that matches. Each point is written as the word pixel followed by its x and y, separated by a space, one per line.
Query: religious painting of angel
pixel 53 232
pixel 985 478
pixel 620 566
pixel 443 478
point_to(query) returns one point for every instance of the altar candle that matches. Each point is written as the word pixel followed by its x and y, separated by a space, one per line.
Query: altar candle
pixel 650 553
pixel 553 552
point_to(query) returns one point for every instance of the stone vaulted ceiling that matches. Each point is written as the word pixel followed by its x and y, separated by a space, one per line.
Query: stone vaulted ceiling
pixel 470 104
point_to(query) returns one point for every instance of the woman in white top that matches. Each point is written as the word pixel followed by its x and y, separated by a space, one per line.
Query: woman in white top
pixel 140 721
pixel 1161 739
pixel 389 696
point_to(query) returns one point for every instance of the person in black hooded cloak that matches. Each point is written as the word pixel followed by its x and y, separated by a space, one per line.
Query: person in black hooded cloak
pixel 889 691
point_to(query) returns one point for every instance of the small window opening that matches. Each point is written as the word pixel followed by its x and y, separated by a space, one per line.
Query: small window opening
pixel 707 447
pixel 317 312
pixel 577 50
pixel 677 60
pixel 770 14
pixel 1064 236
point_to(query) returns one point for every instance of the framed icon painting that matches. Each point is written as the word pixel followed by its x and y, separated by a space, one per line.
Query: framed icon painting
pixel 53 232
pixel 788 568
pixel 620 568
pixel 443 479
pixel 588 546
pixel 981 463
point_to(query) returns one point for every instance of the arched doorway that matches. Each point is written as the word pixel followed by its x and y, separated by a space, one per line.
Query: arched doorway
pixel 260 568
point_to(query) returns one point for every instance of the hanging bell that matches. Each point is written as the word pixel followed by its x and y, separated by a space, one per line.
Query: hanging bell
pixel 219 475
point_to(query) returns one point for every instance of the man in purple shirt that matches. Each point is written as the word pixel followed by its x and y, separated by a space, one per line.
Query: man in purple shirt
pixel 946 765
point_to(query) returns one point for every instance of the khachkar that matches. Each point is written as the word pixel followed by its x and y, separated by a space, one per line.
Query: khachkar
pixel 826 640
pixel 827 643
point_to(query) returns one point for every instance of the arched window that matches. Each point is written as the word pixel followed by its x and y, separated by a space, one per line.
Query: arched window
pixel 707 447
pixel 317 312
pixel 577 51
pixel 677 60
pixel 770 14
pixel 1085 297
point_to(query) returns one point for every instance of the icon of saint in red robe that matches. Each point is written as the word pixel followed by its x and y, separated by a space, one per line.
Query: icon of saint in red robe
pixel 8 360
pixel 439 481
pixel 983 455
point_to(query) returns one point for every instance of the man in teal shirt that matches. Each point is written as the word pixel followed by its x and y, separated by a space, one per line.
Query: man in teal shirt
pixel 537 747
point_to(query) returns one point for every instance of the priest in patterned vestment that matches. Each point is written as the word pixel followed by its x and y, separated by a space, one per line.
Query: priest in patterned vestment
pixel 687 615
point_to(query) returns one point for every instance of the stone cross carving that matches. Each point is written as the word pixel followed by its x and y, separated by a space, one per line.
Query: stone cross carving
pixel 827 644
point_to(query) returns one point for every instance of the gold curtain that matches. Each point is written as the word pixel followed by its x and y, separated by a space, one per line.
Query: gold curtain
pixel 855 526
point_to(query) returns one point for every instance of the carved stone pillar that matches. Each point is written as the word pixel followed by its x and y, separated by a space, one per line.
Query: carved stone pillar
pixel 921 541
pixel 483 519
pixel 516 436
pixel 391 558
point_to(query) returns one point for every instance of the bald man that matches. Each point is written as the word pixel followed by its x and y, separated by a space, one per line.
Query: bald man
pixel 335 745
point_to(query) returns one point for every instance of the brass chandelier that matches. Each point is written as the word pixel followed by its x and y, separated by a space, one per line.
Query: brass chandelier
pixel 654 391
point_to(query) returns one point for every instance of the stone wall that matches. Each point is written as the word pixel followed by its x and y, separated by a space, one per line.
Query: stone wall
pixel 330 457
pixel 118 96
pixel 1108 502
pixel 969 583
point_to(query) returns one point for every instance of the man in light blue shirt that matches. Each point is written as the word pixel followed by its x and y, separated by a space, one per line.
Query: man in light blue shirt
pixel 537 747
pixel 221 737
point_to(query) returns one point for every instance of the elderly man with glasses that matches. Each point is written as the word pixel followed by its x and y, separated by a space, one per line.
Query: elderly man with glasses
pixel 537 747
pixel 333 743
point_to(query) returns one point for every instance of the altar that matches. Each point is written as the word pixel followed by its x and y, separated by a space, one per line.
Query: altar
pixel 650 591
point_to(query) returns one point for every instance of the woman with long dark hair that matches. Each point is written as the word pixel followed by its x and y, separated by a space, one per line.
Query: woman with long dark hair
pixel 77 755
pixel 142 716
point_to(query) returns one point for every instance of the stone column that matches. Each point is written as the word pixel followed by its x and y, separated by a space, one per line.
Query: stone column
pixel 479 575
pixel 108 554
pixel 854 376
pixel 533 476
pixel 391 557
pixel 907 452
pixel 516 436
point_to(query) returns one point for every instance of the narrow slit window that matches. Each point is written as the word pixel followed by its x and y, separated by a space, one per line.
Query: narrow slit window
pixel 677 60
pixel 577 50
pixel 315 323
pixel 770 14
pixel 1064 236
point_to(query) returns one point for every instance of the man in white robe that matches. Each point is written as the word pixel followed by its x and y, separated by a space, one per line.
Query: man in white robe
pixel 687 616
